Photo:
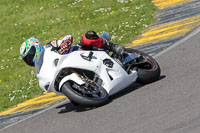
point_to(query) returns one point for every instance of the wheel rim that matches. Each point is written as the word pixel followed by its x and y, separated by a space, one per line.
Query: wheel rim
pixel 89 90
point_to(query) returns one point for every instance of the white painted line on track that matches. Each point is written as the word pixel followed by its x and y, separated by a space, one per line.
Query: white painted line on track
pixel 193 33
pixel 38 113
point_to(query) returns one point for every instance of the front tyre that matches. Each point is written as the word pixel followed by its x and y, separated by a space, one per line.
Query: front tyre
pixel 149 71
pixel 89 94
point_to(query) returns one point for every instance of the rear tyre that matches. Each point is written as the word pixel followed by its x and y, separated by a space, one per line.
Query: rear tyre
pixel 147 72
pixel 88 95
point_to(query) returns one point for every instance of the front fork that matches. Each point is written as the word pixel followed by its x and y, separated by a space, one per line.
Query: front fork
pixel 82 77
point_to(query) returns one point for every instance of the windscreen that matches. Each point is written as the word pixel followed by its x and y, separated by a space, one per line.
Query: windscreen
pixel 39 62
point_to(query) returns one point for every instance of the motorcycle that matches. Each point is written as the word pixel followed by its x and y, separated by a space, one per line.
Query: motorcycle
pixel 90 77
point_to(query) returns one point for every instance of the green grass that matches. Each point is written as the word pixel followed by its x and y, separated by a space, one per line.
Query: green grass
pixel 50 19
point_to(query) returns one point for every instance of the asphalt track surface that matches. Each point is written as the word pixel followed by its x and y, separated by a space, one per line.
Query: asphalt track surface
pixel 170 105
pixel 175 20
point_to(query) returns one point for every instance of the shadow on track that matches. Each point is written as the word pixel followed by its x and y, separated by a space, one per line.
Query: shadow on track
pixel 70 107
pixel 131 88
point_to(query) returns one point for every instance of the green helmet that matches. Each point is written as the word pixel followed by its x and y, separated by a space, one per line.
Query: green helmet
pixel 30 50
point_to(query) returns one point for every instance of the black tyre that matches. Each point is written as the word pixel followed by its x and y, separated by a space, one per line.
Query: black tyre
pixel 88 95
pixel 147 72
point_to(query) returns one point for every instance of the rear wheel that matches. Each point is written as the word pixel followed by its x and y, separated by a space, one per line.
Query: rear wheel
pixel 89 94
pixel 148 70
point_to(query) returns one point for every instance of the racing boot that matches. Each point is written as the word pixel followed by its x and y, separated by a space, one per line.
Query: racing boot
pixel 118 49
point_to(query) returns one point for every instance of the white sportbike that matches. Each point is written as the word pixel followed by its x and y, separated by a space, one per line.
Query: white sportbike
pixel 90 77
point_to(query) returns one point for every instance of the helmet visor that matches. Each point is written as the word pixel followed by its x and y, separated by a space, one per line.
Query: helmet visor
pixel 29 56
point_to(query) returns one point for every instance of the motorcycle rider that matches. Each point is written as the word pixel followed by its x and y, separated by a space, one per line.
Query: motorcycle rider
pixel 31 48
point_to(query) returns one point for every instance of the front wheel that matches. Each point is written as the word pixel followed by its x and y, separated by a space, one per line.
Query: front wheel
pixel 89 94
pixel 148 71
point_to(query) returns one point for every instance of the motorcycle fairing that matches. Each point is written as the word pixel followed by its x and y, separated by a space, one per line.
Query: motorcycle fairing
pixel 114 79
